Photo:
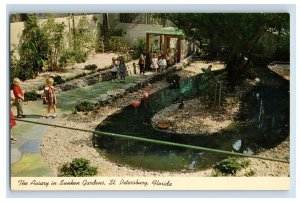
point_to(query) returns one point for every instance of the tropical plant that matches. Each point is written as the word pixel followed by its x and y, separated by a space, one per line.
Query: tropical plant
pixel 81 39
pixel 231 165
pixel 79 167
pixel 139 47
pixel 34 48
pixel 238 32
pixel 85 107
pixel 54 32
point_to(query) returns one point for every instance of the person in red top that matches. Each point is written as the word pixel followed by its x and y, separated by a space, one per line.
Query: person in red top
pixel 19 97
pixel 12 123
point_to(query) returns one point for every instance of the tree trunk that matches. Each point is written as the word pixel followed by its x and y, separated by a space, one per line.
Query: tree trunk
pixel 237 63
pixel 105 28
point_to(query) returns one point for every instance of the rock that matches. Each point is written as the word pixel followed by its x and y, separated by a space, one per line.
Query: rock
pixel 103 98
pixel 130 87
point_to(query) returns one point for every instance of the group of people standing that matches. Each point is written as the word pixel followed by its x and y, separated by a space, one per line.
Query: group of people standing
pixel 158 63
pixel 18 98
pixel 119 68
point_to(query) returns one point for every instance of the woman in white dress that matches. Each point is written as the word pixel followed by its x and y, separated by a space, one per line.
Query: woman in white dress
pixel 154 62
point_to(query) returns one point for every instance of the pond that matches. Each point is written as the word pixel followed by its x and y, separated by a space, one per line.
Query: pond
pixel 262 123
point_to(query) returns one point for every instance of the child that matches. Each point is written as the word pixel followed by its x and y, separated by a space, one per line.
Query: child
pixel 142 64
pixel 154 62
pixel 162 63
pixel 122 70
pixel 49 97
pixel 134 68
pixel 19 97
pixel 114 70
pixel 12 122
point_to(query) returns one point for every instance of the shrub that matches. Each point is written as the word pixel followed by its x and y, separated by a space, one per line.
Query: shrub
pixel 85 107
pixel 70 57
pixel 79 167
pixel 58 80
pixel 31 96
pixel 231 165
pixel 139 47
pixel 116 44
pixel 91 67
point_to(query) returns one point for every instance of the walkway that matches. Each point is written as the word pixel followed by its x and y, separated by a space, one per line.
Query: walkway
pixel 26 158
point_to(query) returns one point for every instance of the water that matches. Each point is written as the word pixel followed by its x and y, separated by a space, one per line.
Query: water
pixel 262 124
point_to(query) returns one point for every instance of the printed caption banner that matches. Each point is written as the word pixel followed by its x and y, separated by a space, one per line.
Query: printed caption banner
pixel 150 183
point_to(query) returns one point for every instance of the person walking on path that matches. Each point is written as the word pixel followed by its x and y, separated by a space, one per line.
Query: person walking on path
pixel 49 97
pixel 19 97
pixel 114 70
pixel 122 70
pixel 142 64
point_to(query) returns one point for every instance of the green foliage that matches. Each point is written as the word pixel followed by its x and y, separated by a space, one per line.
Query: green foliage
pixel 231 165
pixel 274 45
pixel 31 96
pixel 139 47
pixel 79 167
pixel 238 32
pixel 85 107
pixel 81 39
pixel 70 57
pixel 91 67
pixel 33 48
pixel 54 32
pixel 116 44
pixel 58 80
pixel 99 44
pixel 210 85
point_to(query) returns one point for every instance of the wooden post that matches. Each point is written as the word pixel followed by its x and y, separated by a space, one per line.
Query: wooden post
pixel 147 43
pixel 178 49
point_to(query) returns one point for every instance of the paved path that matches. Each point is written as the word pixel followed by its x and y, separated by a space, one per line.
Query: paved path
pixel 26 158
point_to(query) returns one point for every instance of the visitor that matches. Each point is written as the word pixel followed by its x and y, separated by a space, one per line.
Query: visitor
pixel 162 63
pixel 134 68
pixel 154 62
pixel 12 122
pixel 49 97
pixel 19 97
pixel 122 70
pixel 142 64
pixel 114 70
